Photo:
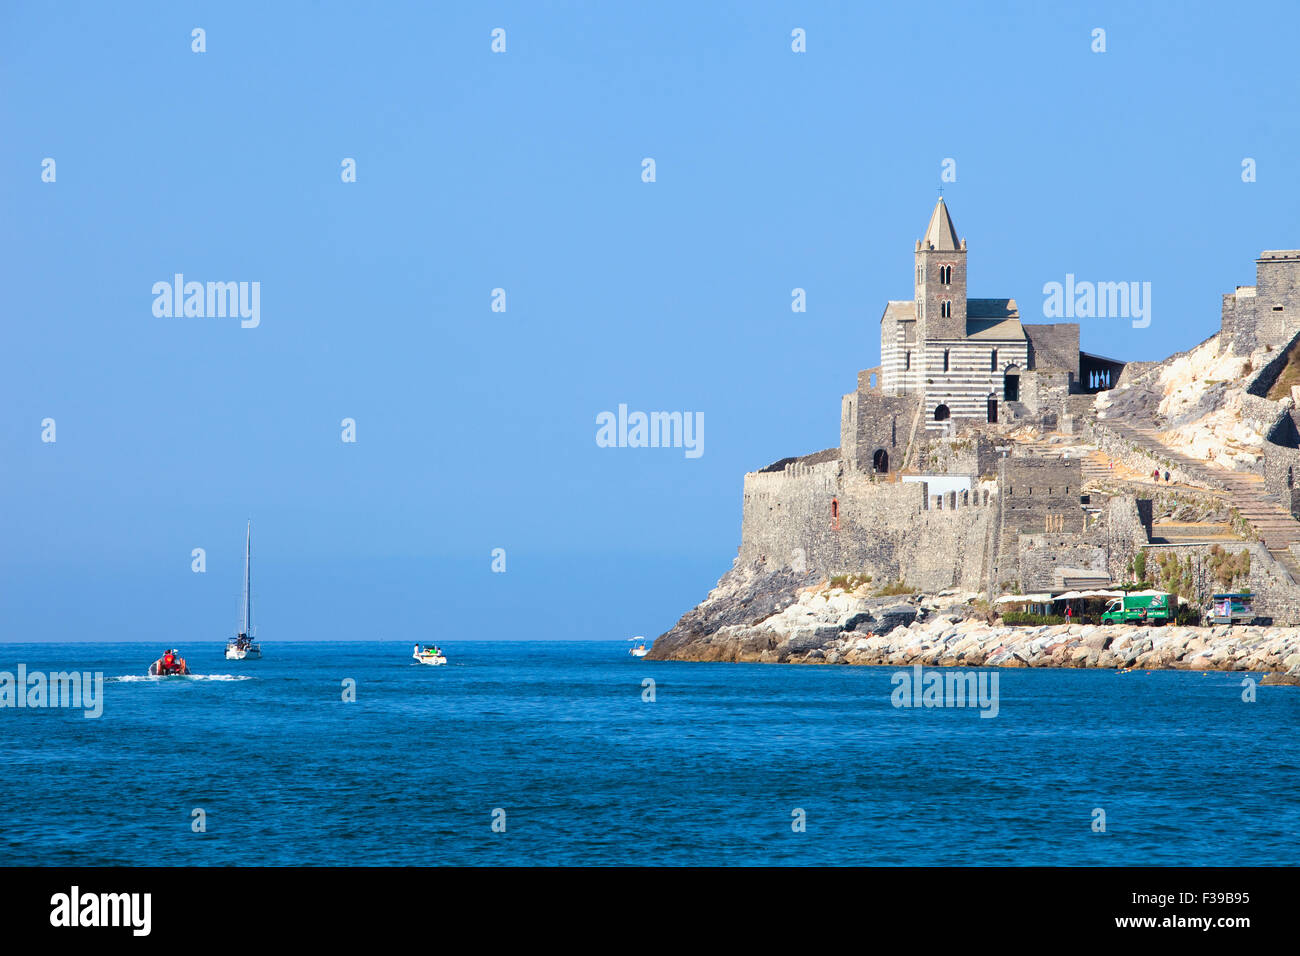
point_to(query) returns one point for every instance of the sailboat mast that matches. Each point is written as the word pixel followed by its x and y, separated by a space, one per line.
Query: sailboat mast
pixel 248 581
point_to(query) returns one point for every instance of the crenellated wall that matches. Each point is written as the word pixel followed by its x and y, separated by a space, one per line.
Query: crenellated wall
pixel 830 519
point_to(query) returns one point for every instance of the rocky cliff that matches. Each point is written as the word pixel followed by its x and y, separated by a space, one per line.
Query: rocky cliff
pixel 779 617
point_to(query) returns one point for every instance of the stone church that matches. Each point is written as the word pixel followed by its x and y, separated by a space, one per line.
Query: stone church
pixel 967 359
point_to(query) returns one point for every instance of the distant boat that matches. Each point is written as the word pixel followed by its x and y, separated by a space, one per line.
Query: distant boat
pixel 428 655
pixel 242 646
pixel 640 650
pixel 171 664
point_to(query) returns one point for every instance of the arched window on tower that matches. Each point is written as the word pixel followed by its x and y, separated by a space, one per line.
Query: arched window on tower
pixel 945 308
pixel 835 514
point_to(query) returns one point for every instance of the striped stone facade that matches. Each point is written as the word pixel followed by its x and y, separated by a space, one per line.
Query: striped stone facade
pixel 976 371
pixel 956 353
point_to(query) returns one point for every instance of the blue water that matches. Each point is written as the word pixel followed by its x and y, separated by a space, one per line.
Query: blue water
pixel 558 736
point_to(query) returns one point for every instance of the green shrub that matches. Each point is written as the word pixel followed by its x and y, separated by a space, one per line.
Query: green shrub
pixel 849 582
pixel 1025 617
pixel 898 587
pixel 1227 567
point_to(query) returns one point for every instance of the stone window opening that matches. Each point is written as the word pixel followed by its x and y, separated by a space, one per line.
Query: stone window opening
pixel 942 413
pixel 945 309
pixel 945 360
pixel 835 514
pixel 945 275
pixel 907 361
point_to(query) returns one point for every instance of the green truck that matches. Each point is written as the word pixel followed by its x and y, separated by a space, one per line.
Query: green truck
pixel 1143 608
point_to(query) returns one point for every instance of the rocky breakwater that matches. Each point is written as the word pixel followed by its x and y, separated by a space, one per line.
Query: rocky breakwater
pixel 765 618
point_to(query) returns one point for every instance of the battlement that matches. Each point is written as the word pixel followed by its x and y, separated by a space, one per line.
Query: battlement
pixel 954 500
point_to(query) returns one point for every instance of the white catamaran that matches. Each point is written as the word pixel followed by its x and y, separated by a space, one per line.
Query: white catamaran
pixel 242 645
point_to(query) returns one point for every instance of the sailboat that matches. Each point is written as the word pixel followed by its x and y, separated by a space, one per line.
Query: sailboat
pixel 242 646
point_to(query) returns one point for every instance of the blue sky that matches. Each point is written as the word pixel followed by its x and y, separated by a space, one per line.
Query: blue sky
pixel 522 171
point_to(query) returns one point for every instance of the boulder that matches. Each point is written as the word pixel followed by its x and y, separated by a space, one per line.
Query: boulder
pixel 862 621
pixel 896 616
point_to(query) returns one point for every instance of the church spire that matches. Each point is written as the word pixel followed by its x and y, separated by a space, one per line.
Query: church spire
pixel 941 233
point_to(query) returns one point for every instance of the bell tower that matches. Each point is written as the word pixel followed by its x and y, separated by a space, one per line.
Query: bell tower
pixel 940 279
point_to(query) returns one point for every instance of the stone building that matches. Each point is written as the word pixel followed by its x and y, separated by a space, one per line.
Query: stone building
pixel 966 514
pixel 966 359
pixel 929 486
pixel 1268 312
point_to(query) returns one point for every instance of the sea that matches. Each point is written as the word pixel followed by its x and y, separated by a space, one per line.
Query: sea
pixel 576 753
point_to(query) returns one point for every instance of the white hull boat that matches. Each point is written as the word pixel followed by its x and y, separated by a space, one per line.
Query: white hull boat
pixel 429 656
pixel 242 647
pixel 640 650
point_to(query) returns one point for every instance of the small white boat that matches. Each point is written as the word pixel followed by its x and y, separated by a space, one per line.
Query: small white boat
pixel 242 646
pixel 428 655
pixel 640 650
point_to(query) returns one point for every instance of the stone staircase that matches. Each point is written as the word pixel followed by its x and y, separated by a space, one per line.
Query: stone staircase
pixel 1095 468
pixel 1271 522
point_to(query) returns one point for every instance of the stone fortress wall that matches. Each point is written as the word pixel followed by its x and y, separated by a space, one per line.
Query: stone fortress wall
pixel 831 519
pixel 1021 518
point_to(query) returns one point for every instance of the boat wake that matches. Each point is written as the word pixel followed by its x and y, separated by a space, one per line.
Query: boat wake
pixel 148 678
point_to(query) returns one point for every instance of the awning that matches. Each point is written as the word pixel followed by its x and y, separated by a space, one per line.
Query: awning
pixel 1043 598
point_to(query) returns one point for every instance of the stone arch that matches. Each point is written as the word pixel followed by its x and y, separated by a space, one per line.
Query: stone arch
pixel 942 413
pixel 1011 383
pixel 880 461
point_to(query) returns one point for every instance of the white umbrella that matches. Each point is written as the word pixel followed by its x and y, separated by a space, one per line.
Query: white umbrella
pixel 1023 599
